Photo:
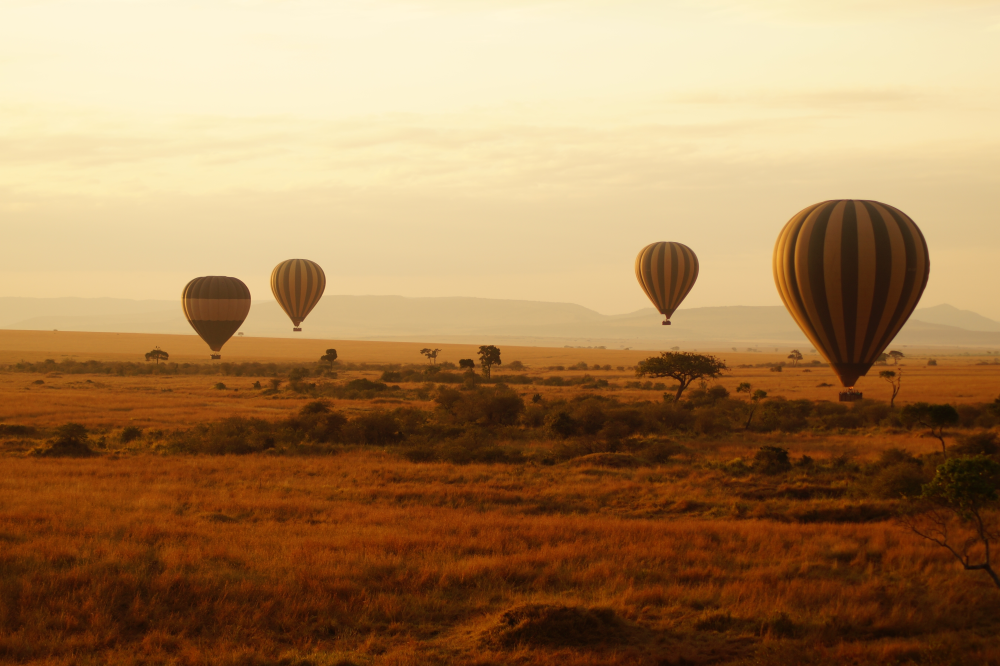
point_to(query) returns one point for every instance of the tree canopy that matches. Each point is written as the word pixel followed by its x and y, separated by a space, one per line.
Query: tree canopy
pixel 329 357
pixel 683 367
pixel 157 355
pixel 489 355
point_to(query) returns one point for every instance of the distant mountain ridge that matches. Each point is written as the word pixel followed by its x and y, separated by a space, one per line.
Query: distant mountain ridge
pixel 454 319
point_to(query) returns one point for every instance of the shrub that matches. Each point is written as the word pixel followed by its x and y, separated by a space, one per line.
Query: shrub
pixel 902 479
pixel 562 424
pixel 220 386
pixel 983 443
pixel 234 435
pixel 533 417
pixel 315 407
pixel 771 460
pixel 71 440
pixel 377 428
pixel 129 434
pixel 781 414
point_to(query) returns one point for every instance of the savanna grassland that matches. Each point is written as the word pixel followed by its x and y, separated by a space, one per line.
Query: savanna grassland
pixel 372 513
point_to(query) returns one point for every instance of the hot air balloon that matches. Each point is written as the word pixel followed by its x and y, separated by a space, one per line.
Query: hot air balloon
pixel 850 273
pixel 666 272
pixel 215 306
pixel 298 285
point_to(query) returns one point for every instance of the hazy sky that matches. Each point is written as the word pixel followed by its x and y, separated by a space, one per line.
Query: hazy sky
pixel 506 149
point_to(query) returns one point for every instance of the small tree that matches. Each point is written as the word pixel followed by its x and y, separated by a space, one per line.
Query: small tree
pixel 431 354
pixel 896 355
pixel 894 380
pixel 329 357
pixel 795 356
pixel 755 398
pixel 964 491
pixel 683 367
pixel 489 355
pixel 934 417
pixel 882 359
pixel 157 355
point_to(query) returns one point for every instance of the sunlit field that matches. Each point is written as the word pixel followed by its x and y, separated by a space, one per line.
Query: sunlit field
pixel 456 539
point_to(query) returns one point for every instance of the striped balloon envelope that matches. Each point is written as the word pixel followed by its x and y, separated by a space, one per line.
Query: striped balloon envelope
pixel 215 306
pixel 298 284
pixel 666 272
pixel 850 273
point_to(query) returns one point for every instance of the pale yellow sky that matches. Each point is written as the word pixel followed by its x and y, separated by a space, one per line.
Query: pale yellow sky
pixel 513 149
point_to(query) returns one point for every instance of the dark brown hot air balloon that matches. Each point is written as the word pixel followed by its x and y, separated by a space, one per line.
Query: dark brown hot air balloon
pixel 215 306
pixel 850 273
pixel 298 285
pixel 666 272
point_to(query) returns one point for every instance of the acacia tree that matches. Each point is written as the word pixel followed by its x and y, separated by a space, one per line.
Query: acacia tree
pixel 683 367
pixel 157 355
pixel 755 398
pixel 896 355
pixel 963 495
pixel 795 356
pixel 489 355
pixel 894 379
pixel 934 417
pixel 329 357
pixel 431 354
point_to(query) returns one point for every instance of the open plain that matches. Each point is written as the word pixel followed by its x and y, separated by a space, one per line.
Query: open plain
pixel 457 539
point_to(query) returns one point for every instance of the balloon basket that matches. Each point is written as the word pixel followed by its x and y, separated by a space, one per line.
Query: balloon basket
pixel 216 357
pixel 297 329
pixel 665 323
pixel 851 395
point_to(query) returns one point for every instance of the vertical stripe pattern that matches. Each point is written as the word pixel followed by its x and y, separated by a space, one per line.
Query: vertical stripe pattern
pixel 850 273
pixel 666 272
pixel 215 306
pixel 298 284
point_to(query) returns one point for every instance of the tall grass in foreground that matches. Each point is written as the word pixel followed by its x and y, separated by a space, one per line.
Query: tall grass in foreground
pixel 367 559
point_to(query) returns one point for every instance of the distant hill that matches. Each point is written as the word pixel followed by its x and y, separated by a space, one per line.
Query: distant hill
pixel 481 320
pixel 949 315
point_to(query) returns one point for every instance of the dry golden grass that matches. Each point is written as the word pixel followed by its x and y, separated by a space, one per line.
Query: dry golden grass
pixel 365 559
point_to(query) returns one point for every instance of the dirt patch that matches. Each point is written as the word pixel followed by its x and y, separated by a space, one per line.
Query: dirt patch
pixel 561 626
pixel 615 460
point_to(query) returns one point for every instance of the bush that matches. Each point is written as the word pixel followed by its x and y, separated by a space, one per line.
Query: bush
pixel 377 428
pixel 71 440
pixel 902 479
pixel 771 460
pixel 781 414
pixel 983 443
pixel 129 434
pixel 234 435
pixel 497 405
pixel 562 424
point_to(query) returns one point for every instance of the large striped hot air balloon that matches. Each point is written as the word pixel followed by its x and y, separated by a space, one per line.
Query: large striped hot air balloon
pixel 850 273
pixel 298 285
pixel 666 272
pixel 215 306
